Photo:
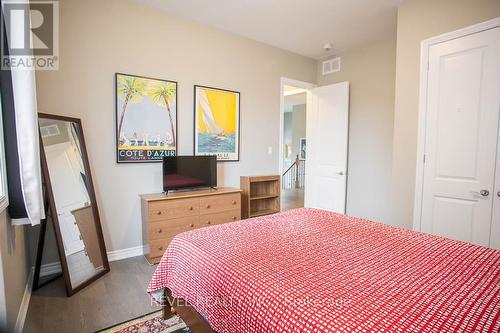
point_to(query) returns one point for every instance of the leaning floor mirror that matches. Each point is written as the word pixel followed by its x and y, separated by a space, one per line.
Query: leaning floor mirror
pixel 71 201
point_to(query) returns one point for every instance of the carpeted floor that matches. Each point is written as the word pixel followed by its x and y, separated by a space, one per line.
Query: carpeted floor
pixel 150 323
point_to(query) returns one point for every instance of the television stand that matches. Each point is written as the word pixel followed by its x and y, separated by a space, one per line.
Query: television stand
pixel 165 216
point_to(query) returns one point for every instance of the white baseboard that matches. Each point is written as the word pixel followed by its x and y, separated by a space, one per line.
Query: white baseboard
pixel 23 308
pixel 55 267
pixel 126 253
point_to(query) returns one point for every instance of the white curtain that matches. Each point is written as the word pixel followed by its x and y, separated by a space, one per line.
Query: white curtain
pixel 24 89
pixel 24 93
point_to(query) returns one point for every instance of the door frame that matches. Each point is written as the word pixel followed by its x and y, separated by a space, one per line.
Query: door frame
pixel 422 109
pixel 284 81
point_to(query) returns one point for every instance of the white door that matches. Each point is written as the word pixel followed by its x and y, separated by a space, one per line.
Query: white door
pixel 69 191
pixel 495 222
pixel 461 136
pixel 327 138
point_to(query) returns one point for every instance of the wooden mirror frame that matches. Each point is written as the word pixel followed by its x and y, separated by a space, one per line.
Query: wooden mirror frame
pixel 53 211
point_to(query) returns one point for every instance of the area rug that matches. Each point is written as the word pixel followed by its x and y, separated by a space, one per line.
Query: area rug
pixel 150 323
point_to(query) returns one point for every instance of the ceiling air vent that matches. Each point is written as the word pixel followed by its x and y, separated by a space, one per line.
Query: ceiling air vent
pixel 51 130
pixel 331 66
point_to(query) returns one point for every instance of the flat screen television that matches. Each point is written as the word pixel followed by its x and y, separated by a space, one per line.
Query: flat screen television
pixel 180 172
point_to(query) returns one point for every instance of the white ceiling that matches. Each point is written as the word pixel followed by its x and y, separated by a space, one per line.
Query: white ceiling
pixel 300 26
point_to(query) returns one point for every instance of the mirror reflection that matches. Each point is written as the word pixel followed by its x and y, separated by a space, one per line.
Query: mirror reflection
pixel 72 196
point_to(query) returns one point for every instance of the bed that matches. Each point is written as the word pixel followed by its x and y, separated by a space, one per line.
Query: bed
pixel 309 270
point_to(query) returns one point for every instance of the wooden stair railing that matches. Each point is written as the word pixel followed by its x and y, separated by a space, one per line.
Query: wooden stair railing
pixel 294 176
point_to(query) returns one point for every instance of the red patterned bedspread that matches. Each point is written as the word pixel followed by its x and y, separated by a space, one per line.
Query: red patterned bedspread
pixel 309 270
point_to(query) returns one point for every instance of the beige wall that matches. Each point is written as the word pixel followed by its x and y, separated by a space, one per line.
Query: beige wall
pixel 419 20
pixel 287 138
pixel 298 129
pixel 13 272
pixel 99 38
pixel 294 126
pixel 370 71
pixel 294 129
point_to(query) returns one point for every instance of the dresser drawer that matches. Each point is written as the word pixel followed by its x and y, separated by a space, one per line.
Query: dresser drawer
pixel 170 228
pixel 164 217
pixel 219 218
pixel 158 246
pixel 171 209
pixel 220 203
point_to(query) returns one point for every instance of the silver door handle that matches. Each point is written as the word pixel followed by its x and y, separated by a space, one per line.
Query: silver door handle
pixel 498 194
pixel 341 173
pixel 483 193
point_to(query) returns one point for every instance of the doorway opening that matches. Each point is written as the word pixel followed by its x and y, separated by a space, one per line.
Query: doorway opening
pixel 313 165
pixel 293 143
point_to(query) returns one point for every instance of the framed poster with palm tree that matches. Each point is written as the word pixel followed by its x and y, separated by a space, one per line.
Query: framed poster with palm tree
pixel 146 118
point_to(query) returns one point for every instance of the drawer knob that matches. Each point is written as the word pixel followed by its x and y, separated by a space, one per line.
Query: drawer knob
pixel 234 217
pixel 191 208
pixel 208 222
pixel 159 212
pixel 208 206
pixel 234 202
pixel 191 225
pixel 160 231
pixel 160 248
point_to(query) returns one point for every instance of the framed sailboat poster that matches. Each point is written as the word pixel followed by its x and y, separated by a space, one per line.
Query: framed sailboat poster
pixel 146 118
pixel 217 123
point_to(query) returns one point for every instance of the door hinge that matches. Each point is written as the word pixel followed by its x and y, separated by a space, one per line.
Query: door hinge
pixel 424 158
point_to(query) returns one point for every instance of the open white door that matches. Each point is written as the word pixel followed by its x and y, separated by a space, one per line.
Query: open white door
pixel 327 139
pixel 70 193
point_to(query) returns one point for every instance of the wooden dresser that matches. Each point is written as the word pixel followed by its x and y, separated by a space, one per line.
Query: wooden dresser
pixel 164 216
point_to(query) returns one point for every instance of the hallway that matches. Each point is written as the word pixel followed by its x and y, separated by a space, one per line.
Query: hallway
pixel 292 198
